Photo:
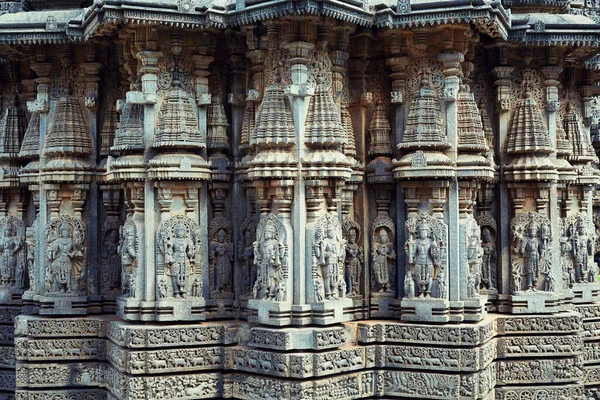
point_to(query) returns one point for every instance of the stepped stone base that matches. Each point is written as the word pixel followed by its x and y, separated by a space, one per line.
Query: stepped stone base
pixel 542 356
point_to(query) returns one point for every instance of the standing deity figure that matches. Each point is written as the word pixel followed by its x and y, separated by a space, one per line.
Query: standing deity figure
pixel 249 268
pixel 424 253
pixel 127 251
pixel 221 258
pixel 409 285
pixel 178 240
pixel 246 256
pixel 112 260
pixel 474 259
pixel 329 254
pixel 12 256
pixel 566 260
pixel 383 257
pixel 269 255
pixel 353 262
pixel 30 241
pixel 531 249
pixel 489 258
pixel 180 258
pixel 65 257
pixel 531 252
pixel 583 249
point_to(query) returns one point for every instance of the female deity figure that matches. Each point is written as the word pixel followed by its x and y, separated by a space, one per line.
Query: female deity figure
pixel 475 259
pixel 112 261
pixel 268 255
pixel 489 258
pixel 30 241
pixel 329 256
pixel 180 259
pixel 11 262
pixel 247 256
pixel 127 251
pixel 425 255
pixel 383 254
pixel 64 257
pixel 353 262
pixel 221 257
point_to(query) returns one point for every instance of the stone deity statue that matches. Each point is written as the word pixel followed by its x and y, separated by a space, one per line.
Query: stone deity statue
pixel 112 260
pixel 221 257
pixel 423 252
pixel 127 251
pixel 269 252
pixel 353 263
pixel 474 259
pixel 489 258
pixel 180 258
pixel 583 248
pixel 329 255
pixel 531 253
pixel 12 257
pixel 65 258
pixel 383 258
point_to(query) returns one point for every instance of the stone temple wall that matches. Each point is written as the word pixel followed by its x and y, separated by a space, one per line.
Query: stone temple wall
pixel 303 199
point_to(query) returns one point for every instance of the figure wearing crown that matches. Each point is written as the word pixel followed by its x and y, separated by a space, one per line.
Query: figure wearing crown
pixel 424 253
pixel 268 254
pixel 180 258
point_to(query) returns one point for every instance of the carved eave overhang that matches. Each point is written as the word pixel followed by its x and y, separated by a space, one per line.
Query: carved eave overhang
pixel 181 14
pixel 344 11
pixel 554 4
pixel 554 30
pixel 37 27
pixel 489 17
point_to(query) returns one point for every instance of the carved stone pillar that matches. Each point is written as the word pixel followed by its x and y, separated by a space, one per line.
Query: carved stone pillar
pixel 502 84
pixel 430 280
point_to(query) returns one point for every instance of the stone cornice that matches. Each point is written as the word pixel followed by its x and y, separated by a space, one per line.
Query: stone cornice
pixel 490 17
pixel 554 30
pixel 37 27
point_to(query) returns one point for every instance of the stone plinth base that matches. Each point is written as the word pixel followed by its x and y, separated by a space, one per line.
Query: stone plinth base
pixel 502 355
pixel 586 292
pixel 535 303
pixel 69 305
pixel 128 308
pixel 186 309
pixel 331 312
pixel 269 312
pixel 384 306
pixel 423 309
pixel 219 308
pixel 474 308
